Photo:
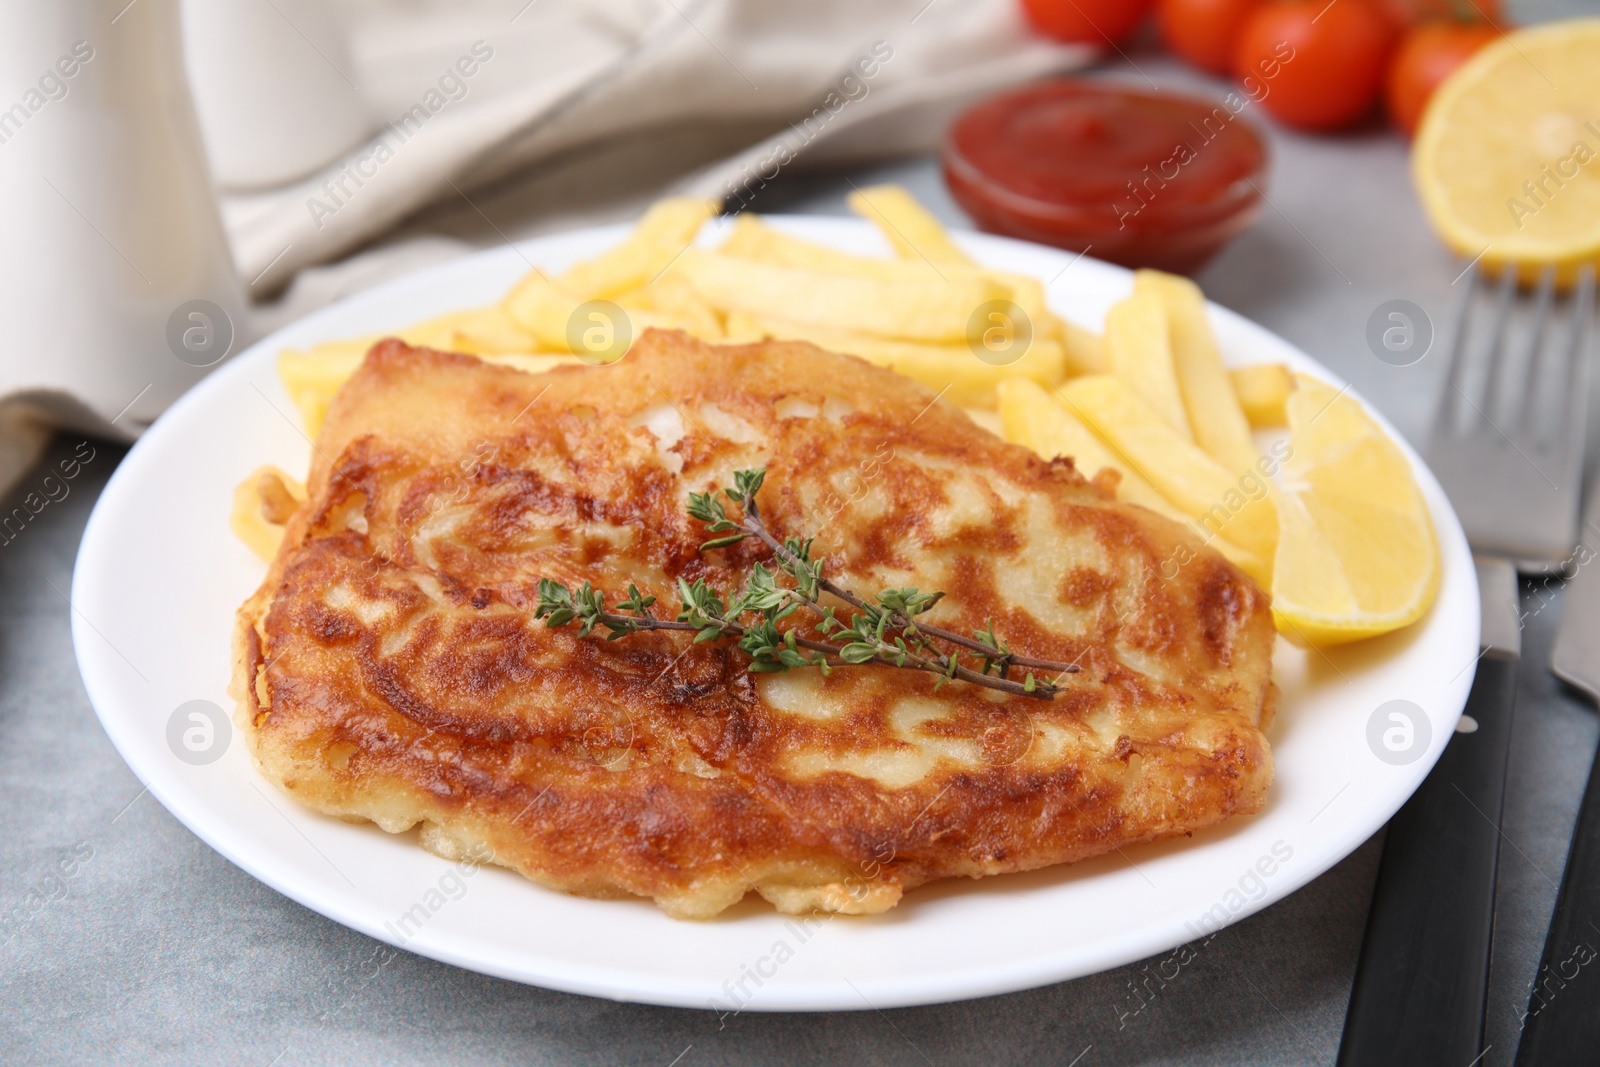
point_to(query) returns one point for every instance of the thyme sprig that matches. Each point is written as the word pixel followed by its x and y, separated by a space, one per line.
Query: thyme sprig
pixel 882 630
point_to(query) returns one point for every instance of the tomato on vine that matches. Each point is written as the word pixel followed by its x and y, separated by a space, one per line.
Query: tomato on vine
pixel 1096 22
pixel 1428 54
pixel 1312 64
pixel 1204 31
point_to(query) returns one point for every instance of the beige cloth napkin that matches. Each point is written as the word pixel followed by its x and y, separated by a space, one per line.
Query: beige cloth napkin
pixel 505 118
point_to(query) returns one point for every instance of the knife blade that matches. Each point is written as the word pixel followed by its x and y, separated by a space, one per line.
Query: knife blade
pixel 1422 983
pixel 1562 1024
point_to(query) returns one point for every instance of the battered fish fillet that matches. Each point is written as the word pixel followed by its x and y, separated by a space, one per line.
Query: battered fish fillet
pixel 390 667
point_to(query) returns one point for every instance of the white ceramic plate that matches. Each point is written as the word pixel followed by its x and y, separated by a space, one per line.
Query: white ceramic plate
pixel 159 576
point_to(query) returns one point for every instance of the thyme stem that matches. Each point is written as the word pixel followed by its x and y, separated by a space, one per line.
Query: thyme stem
pixel 882 632
pixel 755 526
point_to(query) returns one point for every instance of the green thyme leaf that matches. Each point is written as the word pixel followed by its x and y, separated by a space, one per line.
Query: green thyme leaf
pixel 858 652
pixel 748 483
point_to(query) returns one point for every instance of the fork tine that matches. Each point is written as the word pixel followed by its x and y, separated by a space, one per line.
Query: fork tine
pixel 1538 360
pixel 1450 412
pixel 1573 424
pixel 1492 384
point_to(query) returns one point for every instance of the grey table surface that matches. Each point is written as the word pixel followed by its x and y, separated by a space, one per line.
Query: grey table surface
pixel 156 949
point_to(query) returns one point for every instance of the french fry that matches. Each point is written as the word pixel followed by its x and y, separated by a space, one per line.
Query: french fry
pixel 908 226
pixel 747 238
pixel 1038 419
pixel 917 236
pixel 667 227
pixel 964 379
pixel 490 331
pixel 671 302
pixel 754 239
pixel 987 419
pixel 475 331
pixel 259 509
pixel 743 328
pixel 970 381
pixel 543 308
pixel 1263 391
pixel 311 376
pixel 1218 422
pixel 934 311
pixel 1028 294
pixel 1216 501
pixel 1035 418
pixel 1139 351
pixel 674 220
pixel 438 332
pixel 1086 352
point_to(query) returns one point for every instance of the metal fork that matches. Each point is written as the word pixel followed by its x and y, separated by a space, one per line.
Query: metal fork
pixel 1511 461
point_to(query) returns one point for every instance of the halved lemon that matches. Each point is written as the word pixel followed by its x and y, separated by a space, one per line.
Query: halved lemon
pixel 1357 555
pixel 1507 158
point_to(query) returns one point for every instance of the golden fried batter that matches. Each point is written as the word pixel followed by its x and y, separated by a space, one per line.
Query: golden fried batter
pixel 390 667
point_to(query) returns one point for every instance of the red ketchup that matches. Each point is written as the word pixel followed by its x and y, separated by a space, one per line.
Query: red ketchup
pixel 1142 179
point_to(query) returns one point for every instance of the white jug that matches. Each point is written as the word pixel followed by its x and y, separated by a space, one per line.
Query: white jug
pixel 117 290
pixel 272 87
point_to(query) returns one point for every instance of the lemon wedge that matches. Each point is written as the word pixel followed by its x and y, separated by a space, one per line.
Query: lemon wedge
pixel 1507 159
pixel 1357 555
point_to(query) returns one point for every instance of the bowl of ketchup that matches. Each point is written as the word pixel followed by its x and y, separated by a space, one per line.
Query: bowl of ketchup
pixel 1141 179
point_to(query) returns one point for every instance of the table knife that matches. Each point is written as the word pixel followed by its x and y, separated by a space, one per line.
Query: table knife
pixel 1422 983
pixel 1562 1024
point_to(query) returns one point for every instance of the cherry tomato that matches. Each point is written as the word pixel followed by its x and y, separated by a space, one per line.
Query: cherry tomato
pixel 1408 13
pixel 1428 54
pixel 1097 22
pixel 1314 64
pixel 1204 31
